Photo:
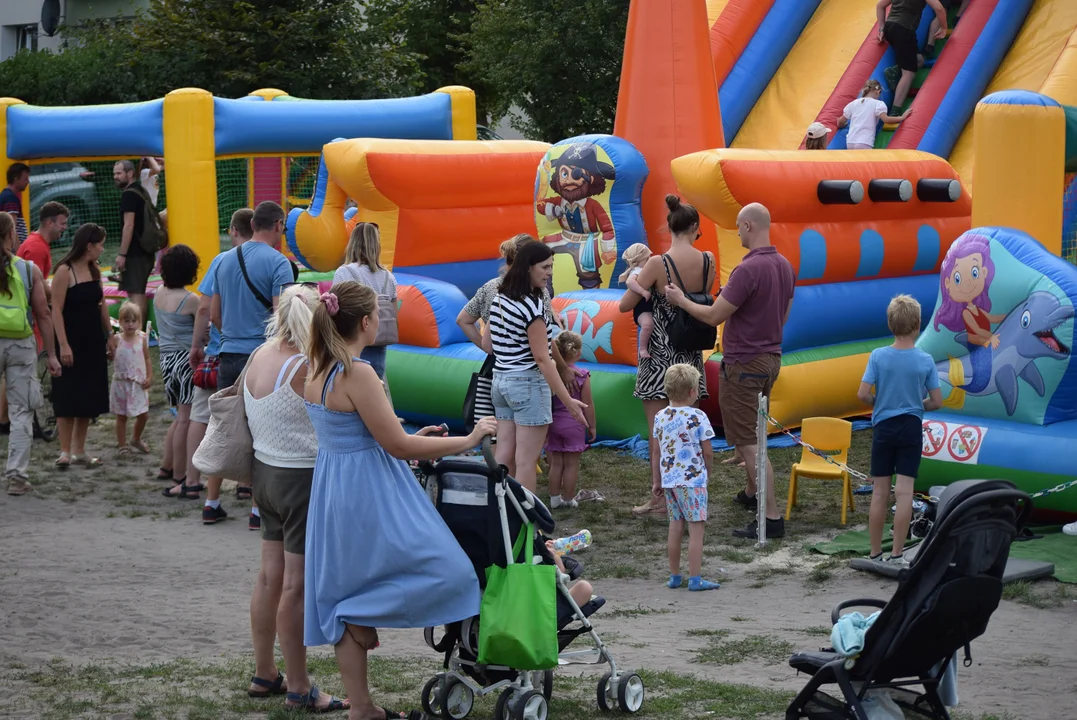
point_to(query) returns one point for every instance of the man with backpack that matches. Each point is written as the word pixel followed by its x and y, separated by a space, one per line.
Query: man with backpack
pixel 142 234
pixel 22 303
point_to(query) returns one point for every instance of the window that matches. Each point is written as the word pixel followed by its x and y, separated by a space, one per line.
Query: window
pixel 26 38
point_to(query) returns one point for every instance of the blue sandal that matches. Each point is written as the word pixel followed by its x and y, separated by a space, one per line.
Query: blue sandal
pixel 272 687
pixel 309 702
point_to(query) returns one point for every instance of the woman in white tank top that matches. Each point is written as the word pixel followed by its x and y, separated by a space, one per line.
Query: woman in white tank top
pixel 285 447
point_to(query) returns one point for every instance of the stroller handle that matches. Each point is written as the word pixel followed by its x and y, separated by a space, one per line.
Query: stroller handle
pixel 488 453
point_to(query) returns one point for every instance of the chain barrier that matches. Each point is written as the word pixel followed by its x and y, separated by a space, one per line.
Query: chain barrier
pixel 818 453
pixel 862 477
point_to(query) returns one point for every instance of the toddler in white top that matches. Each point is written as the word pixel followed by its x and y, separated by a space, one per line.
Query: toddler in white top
pixel 637 255
pixel 862 116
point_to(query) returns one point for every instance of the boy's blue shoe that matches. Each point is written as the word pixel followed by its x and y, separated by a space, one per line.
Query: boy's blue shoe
pixel 674 581
pixel 698 583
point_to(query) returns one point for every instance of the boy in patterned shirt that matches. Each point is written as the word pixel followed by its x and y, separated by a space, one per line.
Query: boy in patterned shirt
pixel 683 434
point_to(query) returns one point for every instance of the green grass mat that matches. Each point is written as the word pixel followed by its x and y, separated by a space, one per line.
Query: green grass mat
pixel 1054 547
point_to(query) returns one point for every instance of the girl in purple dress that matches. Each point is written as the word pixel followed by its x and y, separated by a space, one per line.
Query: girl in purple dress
pixel 567 437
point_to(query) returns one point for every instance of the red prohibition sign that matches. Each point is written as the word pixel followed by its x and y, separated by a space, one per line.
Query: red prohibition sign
pixel 970 445
pixel 932 443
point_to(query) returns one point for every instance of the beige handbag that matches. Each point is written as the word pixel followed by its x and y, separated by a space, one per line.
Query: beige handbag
pixel 227 450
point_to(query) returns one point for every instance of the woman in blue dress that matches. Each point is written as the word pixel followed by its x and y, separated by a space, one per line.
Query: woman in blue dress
pixel 378 554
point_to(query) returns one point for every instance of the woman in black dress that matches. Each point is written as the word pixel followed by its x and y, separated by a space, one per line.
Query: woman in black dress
pixel 84 338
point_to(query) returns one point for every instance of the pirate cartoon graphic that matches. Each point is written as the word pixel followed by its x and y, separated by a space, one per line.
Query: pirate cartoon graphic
pixel 577 177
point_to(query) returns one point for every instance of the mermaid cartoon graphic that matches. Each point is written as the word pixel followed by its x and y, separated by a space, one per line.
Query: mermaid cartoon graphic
pixel 965 278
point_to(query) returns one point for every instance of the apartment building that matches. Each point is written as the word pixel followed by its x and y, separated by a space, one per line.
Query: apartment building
pixel 20 20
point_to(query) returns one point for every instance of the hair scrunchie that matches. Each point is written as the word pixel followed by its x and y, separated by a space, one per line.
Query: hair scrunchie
pixel 332 305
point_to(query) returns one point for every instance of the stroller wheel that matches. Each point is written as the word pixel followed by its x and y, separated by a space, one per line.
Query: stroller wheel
pixel 430 703
pixel 630 693
pixel 502 709
pixel 543 682
pixel 607 693
pixel 530 705
pixel 456 699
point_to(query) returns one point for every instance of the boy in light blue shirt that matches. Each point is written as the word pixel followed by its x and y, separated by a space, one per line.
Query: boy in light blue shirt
pixel 905 385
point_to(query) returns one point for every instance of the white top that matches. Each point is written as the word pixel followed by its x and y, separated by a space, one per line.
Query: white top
pixel 863 115
pixel 381 282
pixel 509 321
pixel 149 182
pixel 280 426
pixel 680 433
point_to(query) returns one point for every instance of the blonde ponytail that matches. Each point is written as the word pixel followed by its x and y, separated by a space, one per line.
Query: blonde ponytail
pixel 330 334
pixel 291 322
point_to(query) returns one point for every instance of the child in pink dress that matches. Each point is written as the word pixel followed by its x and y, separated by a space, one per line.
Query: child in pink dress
pixel 567 439
pixel 132 376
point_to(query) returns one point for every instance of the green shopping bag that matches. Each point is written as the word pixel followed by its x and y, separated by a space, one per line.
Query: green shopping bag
pixel 518 616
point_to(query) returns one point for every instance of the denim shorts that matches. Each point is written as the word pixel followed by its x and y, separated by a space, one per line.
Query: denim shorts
pixel 523 397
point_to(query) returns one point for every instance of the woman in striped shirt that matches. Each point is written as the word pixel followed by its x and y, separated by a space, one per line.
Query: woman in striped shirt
pixel 518 335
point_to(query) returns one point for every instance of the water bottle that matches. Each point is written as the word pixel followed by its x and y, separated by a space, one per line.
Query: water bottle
pixel 573 543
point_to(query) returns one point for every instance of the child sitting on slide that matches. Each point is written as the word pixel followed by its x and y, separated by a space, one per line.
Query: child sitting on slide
pixel 637 255
pixel 862 116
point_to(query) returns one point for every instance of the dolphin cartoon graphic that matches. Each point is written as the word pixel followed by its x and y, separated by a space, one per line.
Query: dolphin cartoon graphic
pixel 1025 335
pixel 579 318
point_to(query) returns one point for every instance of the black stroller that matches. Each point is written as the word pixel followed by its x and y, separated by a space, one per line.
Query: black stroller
pixel 473 496
pixel 942 603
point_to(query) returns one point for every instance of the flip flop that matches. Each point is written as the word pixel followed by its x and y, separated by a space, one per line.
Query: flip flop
pixel 124 450
pixel 141 446
pixel 63 462
pixel 86 461
pixel 272 687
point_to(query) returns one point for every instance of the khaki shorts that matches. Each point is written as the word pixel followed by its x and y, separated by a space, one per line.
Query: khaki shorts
pixel 200 405
pixel 283 495
pixel 738 395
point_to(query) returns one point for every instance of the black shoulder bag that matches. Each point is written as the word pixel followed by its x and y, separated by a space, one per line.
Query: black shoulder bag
pixel 685 332
pixel 243 269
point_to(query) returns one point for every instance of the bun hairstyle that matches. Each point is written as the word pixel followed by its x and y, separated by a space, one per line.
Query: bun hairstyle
pixel 290 323
pixel 331 333
pixel 510 247
pixel 570 344
pixel 682 216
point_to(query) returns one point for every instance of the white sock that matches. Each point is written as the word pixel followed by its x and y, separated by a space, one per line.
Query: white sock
pixel 555 501
pixel 213 504
pixel 255 513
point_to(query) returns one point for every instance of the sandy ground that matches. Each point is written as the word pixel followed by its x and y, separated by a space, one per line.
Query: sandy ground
pixel 79 585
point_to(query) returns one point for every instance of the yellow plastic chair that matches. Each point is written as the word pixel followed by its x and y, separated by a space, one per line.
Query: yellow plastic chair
pixel 832 437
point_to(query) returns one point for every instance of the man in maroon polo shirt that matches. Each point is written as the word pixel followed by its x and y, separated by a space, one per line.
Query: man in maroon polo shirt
pixel 754 306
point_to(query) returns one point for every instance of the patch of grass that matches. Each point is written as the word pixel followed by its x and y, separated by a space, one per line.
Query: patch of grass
pixel 763 574
pixel 177 689
pixel 739 618
pixel 703 632
pixel 734 555
pixel 1034 660
pixel 824 571
pixel 764 648
pixel 813 630
pixel 1040 594
pixel 637 611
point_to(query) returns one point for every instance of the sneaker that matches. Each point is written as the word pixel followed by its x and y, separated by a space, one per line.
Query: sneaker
pixel 775 529
pixel 254 522
pixel 898 561
pixel 211 515
pixel 18 486
pixel 749 501
pixel 697 584
pixel 569 503
pixel 1070 529
pixel 892 75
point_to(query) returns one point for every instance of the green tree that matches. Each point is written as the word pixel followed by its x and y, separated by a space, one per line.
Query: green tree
pixel 439 32
pixel 559 61
pixel 326 49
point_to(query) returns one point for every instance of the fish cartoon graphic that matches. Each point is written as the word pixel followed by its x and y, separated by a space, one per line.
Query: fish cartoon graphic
pixel 579 317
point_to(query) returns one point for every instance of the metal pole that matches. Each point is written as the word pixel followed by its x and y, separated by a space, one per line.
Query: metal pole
pixel 761 471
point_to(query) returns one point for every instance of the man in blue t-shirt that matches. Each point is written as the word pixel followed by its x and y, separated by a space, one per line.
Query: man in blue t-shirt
pixel 240 231
pixel 18 177
pixel 906 384
pixel 245 291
